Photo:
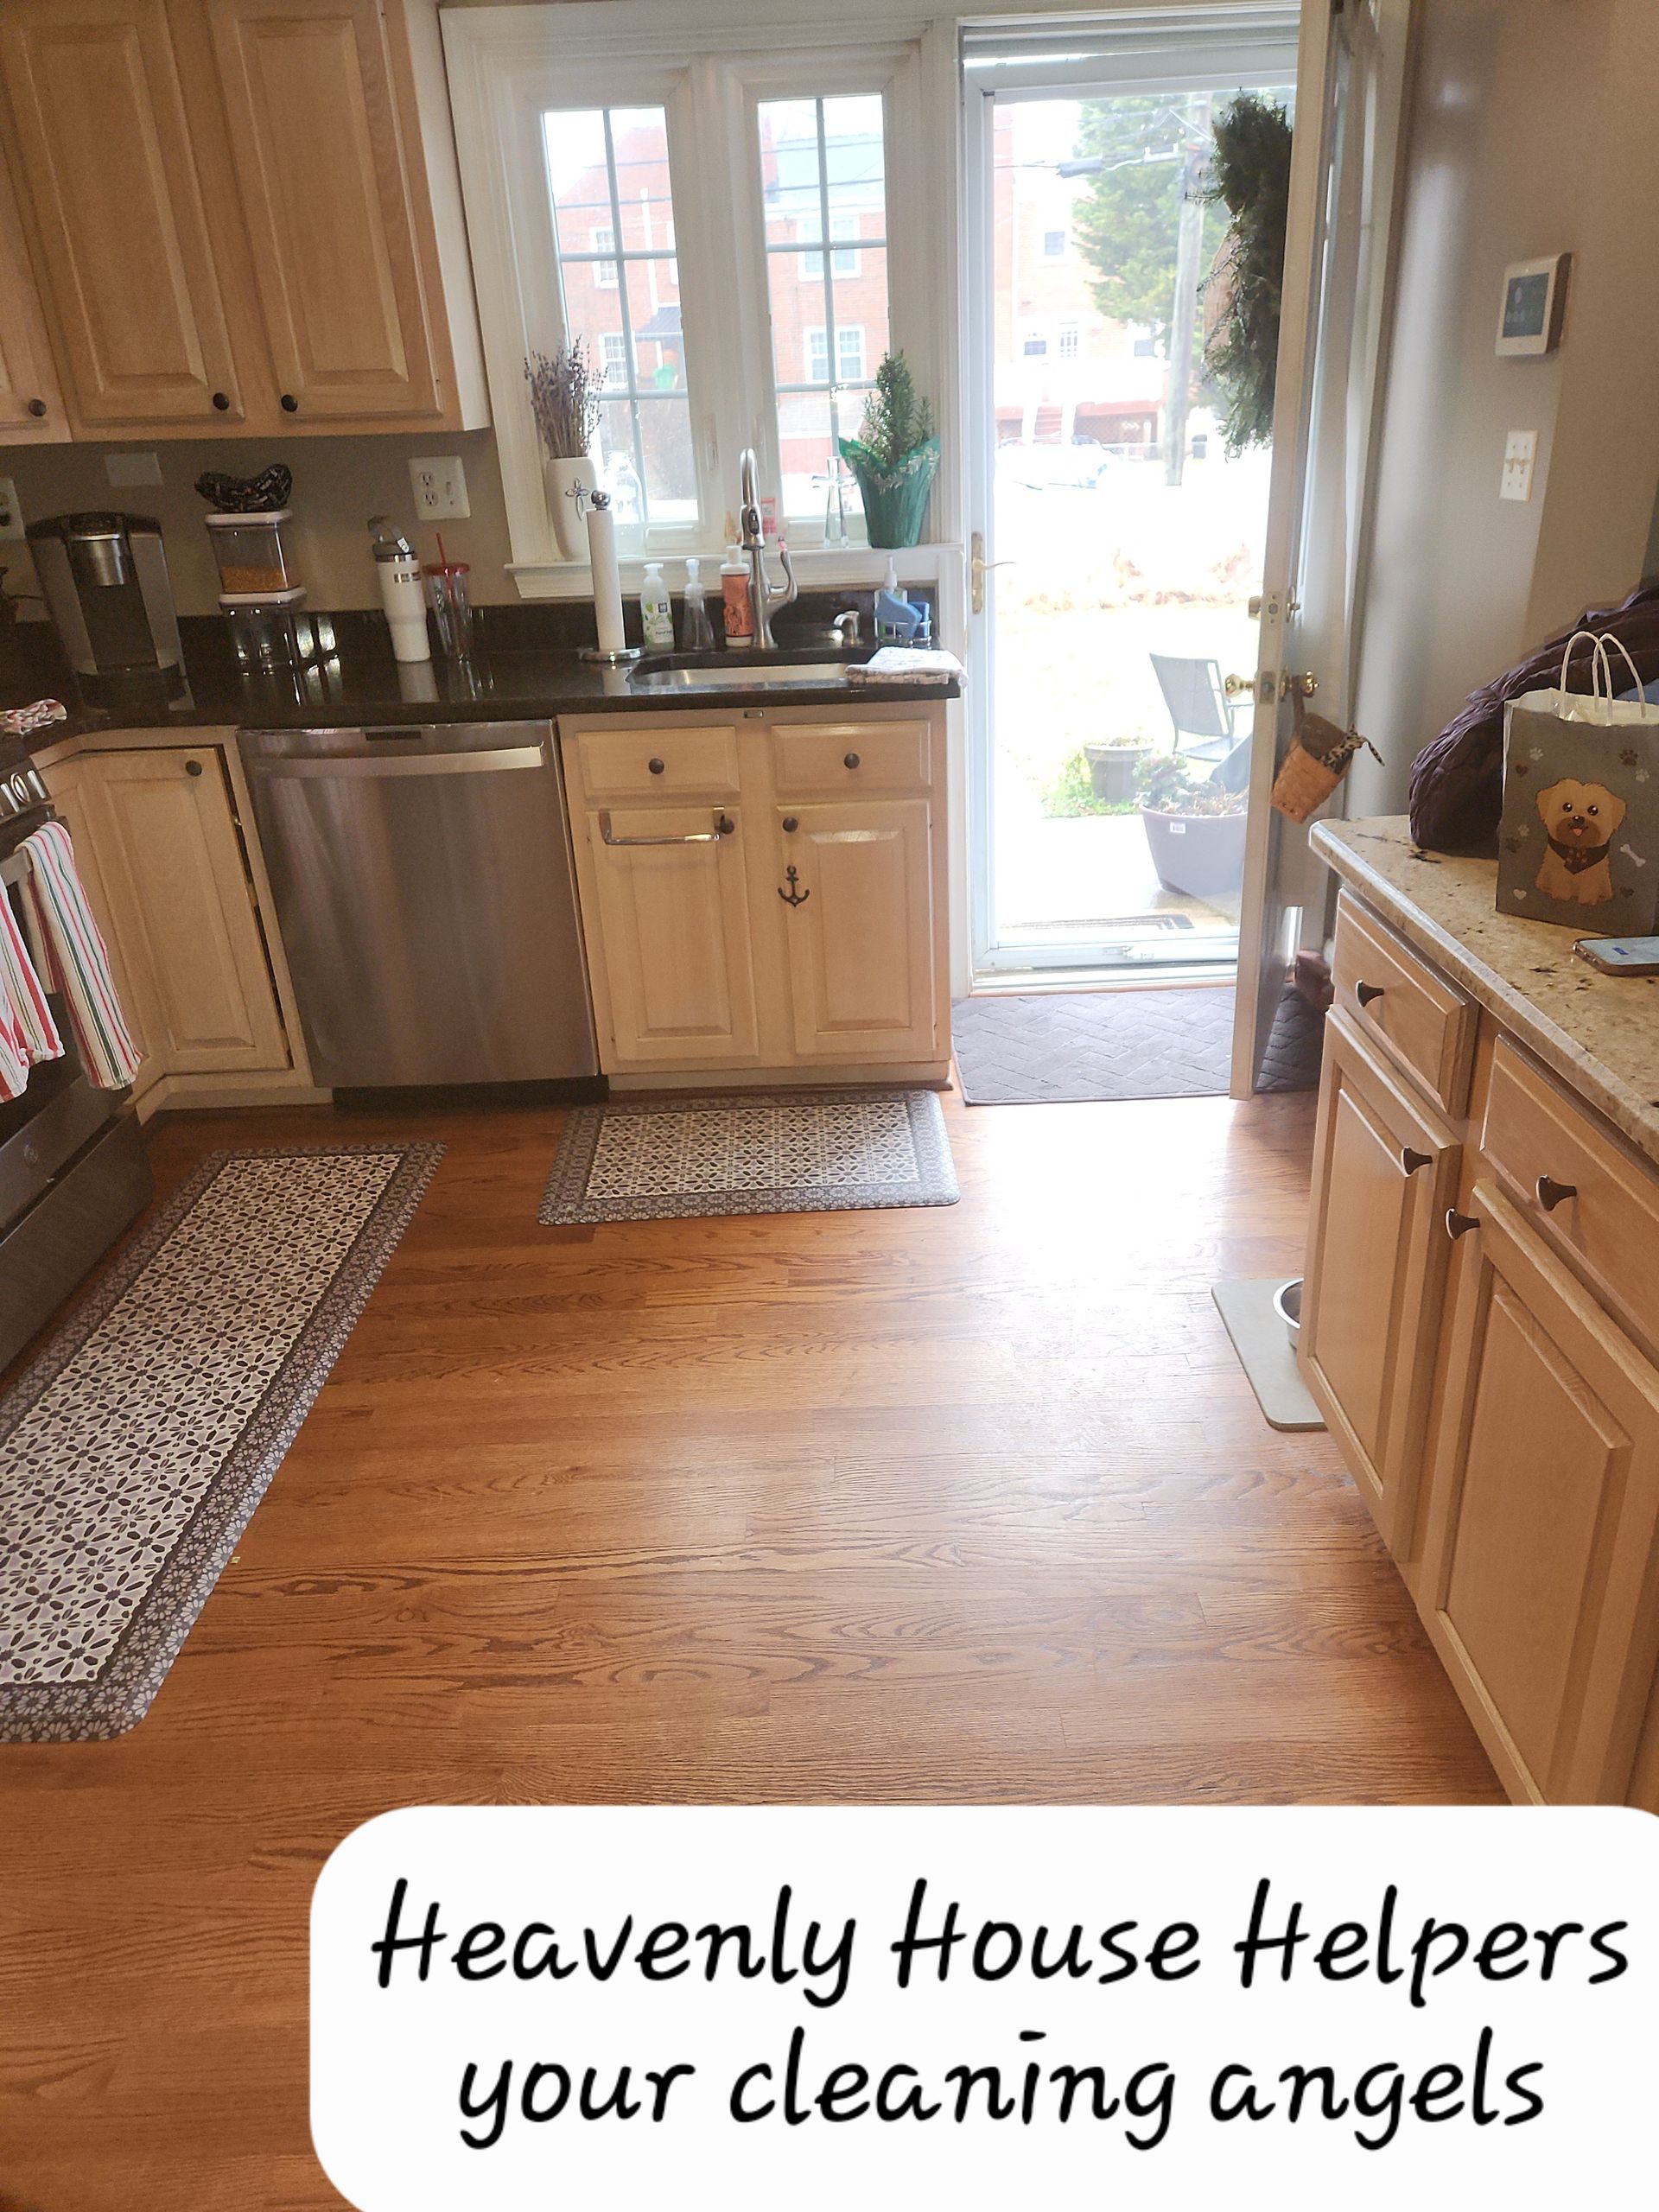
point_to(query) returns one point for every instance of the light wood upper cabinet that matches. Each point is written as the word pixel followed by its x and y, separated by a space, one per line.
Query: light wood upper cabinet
pixel 31 401
pixel 674 935
pixel 1544 1518
pixel 1384 1172
pixel 166 847
pixel 319 163
pixel 106 160
pixel 860 942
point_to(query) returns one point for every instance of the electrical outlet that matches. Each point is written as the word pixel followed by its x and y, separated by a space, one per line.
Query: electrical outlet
pixel 131 468
pixel 1519 451
pixel 11 515
pixel 440 489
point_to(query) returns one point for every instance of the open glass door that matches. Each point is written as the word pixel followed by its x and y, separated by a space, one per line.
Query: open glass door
pixel 1116 545
pixel 1338 254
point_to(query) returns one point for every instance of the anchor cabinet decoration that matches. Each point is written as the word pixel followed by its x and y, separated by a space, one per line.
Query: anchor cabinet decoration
pixel 764 890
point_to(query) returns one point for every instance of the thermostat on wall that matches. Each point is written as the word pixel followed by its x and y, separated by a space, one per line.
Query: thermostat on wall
pixel 1535 293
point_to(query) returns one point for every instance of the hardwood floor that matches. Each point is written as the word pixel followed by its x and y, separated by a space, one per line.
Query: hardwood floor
pixel 967 1503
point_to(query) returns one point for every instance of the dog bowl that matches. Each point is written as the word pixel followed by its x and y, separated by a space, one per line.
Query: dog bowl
pixel 1287 1305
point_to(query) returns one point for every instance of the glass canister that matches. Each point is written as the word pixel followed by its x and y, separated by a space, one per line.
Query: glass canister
pixel 253 554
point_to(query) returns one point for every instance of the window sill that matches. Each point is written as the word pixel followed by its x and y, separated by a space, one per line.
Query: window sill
pixel 818 567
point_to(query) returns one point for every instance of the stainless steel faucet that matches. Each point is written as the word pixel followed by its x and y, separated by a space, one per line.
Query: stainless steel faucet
pixel 762 597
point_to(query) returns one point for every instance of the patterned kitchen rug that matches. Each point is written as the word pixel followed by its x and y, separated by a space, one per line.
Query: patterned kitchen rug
pixel 789 1152
pixel 137 1443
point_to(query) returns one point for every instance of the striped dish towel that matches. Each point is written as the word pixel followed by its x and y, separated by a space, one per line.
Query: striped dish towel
pixel 70 955
pixel 28 1033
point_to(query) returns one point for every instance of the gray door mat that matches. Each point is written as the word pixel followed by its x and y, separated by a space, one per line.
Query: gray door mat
pixel 676 1159
pixel 1063 1047
pixel 137 1443
pixel 1265 1352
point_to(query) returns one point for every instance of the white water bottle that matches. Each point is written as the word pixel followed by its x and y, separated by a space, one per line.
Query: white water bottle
pixel 402 591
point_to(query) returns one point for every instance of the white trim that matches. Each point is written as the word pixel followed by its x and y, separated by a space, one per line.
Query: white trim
pixel 606 232
pixel 806 230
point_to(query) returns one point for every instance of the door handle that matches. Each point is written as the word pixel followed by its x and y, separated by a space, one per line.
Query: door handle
pixel 978 568
pixel 724 826
pixel 1303 683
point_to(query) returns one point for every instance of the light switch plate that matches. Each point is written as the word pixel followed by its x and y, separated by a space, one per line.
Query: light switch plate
pixel 440 489
pixel 1519 451
pixel 130 468
pixel 11 515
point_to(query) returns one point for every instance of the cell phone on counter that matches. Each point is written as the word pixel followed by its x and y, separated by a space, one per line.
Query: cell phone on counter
pixel 1621 956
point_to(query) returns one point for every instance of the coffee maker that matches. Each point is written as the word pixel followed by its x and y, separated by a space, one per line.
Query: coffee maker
pixel 105 581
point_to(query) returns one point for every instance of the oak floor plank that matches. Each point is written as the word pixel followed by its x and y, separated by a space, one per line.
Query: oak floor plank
pixel 969 1504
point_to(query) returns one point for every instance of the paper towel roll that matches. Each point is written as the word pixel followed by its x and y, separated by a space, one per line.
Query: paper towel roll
pixel 607 580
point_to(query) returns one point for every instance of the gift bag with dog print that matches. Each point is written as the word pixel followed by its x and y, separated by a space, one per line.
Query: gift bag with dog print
pixel 1578 843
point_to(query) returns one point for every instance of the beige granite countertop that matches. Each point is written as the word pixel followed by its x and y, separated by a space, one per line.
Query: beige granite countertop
pixel 1600 1033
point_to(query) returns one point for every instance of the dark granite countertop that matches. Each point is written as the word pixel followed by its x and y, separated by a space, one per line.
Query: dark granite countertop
pixel 525 669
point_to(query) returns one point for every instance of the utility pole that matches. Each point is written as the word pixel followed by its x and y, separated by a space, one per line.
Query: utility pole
pixel 1184 315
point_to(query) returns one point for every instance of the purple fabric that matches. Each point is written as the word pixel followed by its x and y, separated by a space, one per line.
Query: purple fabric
pixel 1457 782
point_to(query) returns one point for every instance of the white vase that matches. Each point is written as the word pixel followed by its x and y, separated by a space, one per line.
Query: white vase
pixel 563 480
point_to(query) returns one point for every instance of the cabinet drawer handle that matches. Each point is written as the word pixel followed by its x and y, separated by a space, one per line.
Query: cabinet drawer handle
pixel 1552 1193
pixel 1459 1224
pixel 192 767
pixel 37 408
pixel 656 766
pixel 222 403
pixel 849 760
pixel 724 826
pixel 794 896
pixel 790 823
pixel 290 405
pixel 1366 992
pixel 1411 1161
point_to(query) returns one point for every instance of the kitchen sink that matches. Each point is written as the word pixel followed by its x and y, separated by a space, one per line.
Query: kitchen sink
pixel 734 670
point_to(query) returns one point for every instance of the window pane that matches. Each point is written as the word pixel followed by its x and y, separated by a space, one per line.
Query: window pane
pixel 608 179
pixel 830 327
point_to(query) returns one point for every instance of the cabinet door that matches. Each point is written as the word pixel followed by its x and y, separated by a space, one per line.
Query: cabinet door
pixel 674 938
pixel 104 154
pixel 315 143
pixel 1538 1575
pixel 1384 1172
pixel 67 784
pixel 171 857
pixel 31 405
pixel 861 940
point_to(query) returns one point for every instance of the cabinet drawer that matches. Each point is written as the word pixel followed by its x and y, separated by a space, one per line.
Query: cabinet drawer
pixel 850 758
pixel 1542 1144
pixel 673 763
pixel 1397 999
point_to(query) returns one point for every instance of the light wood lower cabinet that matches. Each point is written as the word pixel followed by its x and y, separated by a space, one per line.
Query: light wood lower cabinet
pixel 706 955
pixel 1385 1170
pixel 1478 1330
pixel 1538 1580
pixel 159 850
pixel 673 915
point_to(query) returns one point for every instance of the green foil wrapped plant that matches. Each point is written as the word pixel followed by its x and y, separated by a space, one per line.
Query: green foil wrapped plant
pixel 896 456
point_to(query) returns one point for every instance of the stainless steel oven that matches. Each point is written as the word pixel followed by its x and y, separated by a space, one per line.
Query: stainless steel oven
pixel 73 1170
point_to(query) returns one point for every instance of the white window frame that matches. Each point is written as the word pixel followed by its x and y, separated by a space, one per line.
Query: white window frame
pixel 607 361
pixel 844 260
pixel 507 64
pixel 603 241
pixel 817 348
pixel 1059 254
pixel 1070 348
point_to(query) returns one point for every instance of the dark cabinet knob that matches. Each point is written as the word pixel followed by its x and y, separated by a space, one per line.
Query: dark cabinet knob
pixel 1366 992
pixel 222 402
pixel 1411 1161
pixel 290 405
pixel 790 822
pixel 655 767
pixel 192 767
pixel 724 825
pixel 1459 1224
pixel 37 408
pixel 1551 1193
pixel 849 760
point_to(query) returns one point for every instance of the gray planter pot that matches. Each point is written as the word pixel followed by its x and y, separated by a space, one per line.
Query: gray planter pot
pixel 1202 854
pixel 1113 770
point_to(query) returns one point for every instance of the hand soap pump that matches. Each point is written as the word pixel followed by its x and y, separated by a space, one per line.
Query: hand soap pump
pixel 401 592
pixel 896 620
pixel 696 634
pixel 656 608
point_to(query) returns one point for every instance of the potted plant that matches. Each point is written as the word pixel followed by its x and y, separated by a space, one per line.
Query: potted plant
pixel 896 457
pixel 1115 766
pixel 565 403
pixel 1195 828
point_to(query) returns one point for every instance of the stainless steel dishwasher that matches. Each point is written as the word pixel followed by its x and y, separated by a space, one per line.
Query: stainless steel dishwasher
pixel 426 900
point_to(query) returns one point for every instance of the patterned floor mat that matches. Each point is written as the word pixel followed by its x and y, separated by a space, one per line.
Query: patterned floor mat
pixel 1064 1047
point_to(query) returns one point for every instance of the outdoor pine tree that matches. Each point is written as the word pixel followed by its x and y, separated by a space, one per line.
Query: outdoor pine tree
pixel 1126 223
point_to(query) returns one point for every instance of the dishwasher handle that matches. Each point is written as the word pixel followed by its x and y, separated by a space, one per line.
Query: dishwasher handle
pixel 404 764
pixel 724 826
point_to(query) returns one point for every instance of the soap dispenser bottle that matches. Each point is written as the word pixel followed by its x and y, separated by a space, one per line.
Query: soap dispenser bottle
pixel 656 608
pixel 696 635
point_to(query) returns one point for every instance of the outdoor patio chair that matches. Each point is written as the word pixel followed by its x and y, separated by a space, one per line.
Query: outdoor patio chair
pixel 1197 704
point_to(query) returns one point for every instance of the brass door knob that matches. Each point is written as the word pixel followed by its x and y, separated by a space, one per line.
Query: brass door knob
pixel 1232 685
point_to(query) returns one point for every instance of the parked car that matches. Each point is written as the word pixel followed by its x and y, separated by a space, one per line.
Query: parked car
pixel 1047 465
